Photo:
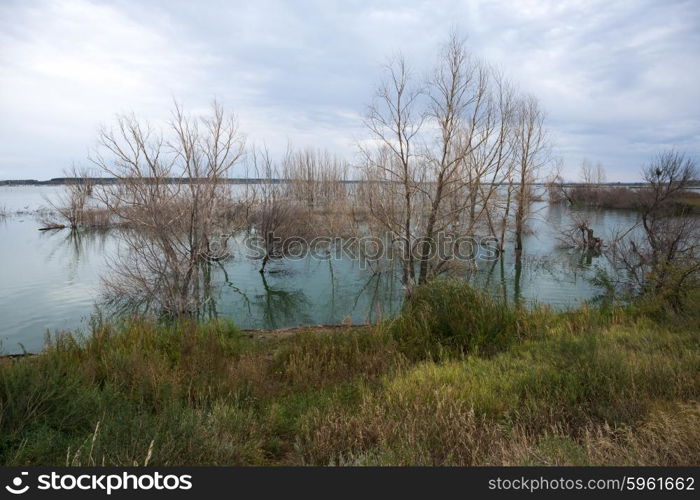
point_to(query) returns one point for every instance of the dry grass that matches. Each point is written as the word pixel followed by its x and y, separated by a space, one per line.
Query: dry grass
pixel 575 397
pixel 593 386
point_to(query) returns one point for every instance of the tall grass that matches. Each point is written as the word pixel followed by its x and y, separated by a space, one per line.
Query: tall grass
pixel 502 409
pixel 449 319
pixel 457 379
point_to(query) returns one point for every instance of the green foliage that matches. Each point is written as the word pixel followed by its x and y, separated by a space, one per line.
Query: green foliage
pixel 448 318
pixel 458 379
pixel 507 407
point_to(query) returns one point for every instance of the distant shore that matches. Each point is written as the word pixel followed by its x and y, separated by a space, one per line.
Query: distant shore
pixel 59 181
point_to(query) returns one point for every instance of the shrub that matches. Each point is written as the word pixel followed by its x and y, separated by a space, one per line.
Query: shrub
pixel 448 317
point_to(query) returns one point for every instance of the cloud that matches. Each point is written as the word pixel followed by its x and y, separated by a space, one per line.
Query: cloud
pixel 618 80
pixel 66 66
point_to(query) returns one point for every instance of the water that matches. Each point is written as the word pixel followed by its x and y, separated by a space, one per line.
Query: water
pixel 50 280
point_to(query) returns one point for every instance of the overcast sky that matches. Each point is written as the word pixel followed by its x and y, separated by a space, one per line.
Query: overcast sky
pixel 619 80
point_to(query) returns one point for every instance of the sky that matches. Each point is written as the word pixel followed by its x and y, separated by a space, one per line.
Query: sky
pixel 619 81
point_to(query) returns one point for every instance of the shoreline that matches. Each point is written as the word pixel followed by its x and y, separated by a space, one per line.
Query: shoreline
pixel 252 333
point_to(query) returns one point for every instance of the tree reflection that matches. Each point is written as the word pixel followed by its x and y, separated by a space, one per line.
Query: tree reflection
pixel 280 307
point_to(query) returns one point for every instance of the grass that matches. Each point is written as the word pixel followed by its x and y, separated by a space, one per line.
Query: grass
pixel 458 378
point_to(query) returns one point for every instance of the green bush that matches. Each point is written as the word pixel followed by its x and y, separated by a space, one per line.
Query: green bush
pixel 448 317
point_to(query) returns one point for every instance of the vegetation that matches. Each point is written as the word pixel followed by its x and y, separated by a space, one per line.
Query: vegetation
pixel 676 175
pixel 660 253
pixel 72 206
pixel 458 378
pixel 447 170
pixel 448 158
pixel 666 255
pixel 444 150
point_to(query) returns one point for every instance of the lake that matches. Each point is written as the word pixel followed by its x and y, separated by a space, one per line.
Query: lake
pixel 50 281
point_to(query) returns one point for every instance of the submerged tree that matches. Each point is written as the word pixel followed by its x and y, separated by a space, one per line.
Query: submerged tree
pixel 70 206
pixel 442 150
pixel 171 197
pixel 662 253
pixel 394 169
pixel 531 152
pixel 276 215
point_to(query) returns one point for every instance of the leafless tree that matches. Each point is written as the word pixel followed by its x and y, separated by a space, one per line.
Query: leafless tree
pixel 457 86
pixel 443 149
pixel 531 150
pixel 393 164
pixel 276 213
pixel 171 196
pixel 579 234
pixel 591 190
pixel 506 209
pixel 592 175
pixel 490 166
pixel 664 254
pixel 70 205
pixel 314 177
pixel 556 189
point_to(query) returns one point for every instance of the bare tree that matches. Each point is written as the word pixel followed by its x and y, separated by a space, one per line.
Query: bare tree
pixel 531 151
pixel 394 169
pixel 510 188
pixel 70 205
pixel 591 190
pixel 457 84
pixel 442 156
pixel 592 175
pixel 665 255
pixel 580 235
pixel 171 196
pixel 314 177
pixel 276 213
pixel 556 190
pixel 490 164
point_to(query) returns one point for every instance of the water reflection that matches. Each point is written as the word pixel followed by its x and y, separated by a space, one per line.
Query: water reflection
pixel 52 279
pixel 280 307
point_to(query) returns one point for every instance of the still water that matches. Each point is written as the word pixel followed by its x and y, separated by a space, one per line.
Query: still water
pixel 50 280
